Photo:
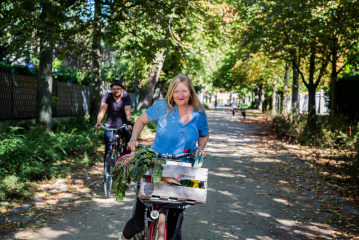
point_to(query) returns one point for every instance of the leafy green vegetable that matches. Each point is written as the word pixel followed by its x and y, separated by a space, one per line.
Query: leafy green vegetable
pixel 132 168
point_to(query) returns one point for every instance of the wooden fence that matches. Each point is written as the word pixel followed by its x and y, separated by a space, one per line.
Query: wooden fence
pixel 18 97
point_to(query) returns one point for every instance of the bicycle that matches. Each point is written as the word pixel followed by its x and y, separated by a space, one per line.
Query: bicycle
pixel 116 150
pixel 155 225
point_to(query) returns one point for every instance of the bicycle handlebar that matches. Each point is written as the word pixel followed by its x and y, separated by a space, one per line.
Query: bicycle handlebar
pixel 114 129
pixel 171 156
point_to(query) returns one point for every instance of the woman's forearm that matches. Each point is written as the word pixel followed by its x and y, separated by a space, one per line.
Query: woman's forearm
pixel 202 141
pixel 138 127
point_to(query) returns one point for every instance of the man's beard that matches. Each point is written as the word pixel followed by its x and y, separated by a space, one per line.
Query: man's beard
pixel 118 95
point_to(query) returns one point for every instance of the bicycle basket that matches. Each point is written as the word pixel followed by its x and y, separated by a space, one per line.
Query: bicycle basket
pixel 171 194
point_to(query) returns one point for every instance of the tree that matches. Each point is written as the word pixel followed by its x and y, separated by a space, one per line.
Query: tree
pixel 288 30
pixel 96 61
pixel 342 22
pixel 30 25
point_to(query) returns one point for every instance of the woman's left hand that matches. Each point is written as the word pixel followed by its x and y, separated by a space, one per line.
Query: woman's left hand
pixel 202 153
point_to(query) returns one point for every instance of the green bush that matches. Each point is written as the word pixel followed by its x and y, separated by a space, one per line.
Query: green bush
pixel 61 73
pixel 18 69
pixel 243 106
pixel 11 187
pixel 205 105
pixel 31 154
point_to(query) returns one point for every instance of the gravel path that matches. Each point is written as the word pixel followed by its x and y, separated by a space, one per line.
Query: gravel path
pixel 249 196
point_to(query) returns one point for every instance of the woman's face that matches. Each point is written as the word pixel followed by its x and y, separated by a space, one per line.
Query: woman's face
pixel 181 94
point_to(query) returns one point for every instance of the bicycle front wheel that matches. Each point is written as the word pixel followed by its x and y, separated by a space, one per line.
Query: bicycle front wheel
pixel 161 227
pixel 107 184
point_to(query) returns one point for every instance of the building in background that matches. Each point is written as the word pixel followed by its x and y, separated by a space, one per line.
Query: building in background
pixel 223 98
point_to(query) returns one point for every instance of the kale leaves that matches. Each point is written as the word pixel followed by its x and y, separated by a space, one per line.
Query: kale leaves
pixel 132 168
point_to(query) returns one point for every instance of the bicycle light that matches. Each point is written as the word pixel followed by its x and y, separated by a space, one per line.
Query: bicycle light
pixel 154 214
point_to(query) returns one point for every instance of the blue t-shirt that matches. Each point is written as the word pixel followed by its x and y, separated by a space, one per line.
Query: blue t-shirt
pixel 172 136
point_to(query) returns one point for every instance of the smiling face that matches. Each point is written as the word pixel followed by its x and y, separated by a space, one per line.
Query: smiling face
pixel 181 94
pixel 116 91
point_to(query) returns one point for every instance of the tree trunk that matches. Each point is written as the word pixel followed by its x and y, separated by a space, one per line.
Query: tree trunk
pixel 274 95
pixel 156 95
pixel 265 102
pixel 159 92
pixel 262 100
pixel 259 97
pixel 285 96
pixel 162 90
pixel 252 99
pixel 44 85
pixel 311 85
pixel 279 102
pixel 334 76
pixel 295 86
pixel 153 76
pixel 96 63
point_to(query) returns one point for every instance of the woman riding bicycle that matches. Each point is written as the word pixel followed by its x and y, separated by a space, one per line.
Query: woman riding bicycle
pixel 181 123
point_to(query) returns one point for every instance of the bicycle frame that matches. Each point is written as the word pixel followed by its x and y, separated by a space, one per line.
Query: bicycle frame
pixel 110 158
pixel 149 219
pixel 161 203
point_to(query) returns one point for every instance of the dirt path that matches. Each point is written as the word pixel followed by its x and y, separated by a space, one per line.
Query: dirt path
pixel 254 193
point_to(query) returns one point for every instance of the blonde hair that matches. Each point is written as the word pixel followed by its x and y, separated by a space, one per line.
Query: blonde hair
pixel 197 105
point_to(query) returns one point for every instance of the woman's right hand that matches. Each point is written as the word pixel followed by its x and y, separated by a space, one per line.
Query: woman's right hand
pixel 132 144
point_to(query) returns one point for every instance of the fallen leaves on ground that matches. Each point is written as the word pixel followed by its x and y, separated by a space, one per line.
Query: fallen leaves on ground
pixel 330 193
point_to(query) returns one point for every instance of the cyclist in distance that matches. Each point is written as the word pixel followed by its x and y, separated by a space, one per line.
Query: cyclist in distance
pixel 182 122
pixel 117 105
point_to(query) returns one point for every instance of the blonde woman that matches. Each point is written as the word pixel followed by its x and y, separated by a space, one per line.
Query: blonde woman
pixel 182 123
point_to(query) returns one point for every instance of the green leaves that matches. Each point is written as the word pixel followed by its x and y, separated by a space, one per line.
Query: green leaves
pixel 157 172
pixel 132 168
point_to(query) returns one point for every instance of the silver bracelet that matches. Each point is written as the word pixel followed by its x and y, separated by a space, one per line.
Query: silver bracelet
pixel 200 148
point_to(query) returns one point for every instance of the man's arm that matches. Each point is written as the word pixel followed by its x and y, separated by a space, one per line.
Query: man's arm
pixel 101 114
pixel 128 116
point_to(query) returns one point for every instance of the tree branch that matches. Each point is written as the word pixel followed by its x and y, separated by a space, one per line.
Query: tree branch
pixel 348 62
pixel 321 73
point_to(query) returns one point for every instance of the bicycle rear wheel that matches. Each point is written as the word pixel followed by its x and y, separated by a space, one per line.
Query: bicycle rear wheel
pixel 107 184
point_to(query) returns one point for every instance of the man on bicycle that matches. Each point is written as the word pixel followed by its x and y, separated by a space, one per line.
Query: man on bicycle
pixel 117 105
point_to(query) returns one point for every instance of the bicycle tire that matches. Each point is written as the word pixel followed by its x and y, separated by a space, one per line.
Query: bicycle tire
pixel 107 184
pixel 160 231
